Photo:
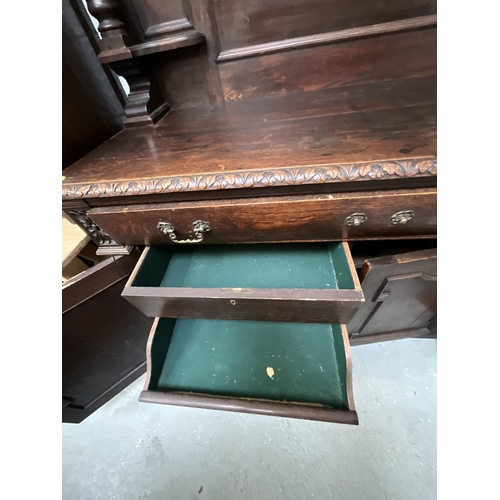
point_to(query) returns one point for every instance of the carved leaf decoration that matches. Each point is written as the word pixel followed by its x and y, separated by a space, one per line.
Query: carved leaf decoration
pixel 365 169
pixel 389 168
pixel 343 173
pixel 293 176
pixel 401 170
pixel 378 172
pixel 427 166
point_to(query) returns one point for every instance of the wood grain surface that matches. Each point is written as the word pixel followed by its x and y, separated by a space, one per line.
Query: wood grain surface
pixel 276 219
pixel 381 131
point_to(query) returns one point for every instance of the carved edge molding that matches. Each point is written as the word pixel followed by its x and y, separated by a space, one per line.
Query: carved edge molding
pixel 290 176
pixel 90 227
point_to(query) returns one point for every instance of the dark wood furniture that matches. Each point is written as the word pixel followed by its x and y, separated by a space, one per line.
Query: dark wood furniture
pixel 92 97
pixel 293 370
pixel 401 298
pixel 277 121
pixel 316 283
pixel 103 338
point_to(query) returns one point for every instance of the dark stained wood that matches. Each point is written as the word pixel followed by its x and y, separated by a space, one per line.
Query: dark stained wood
pixel 77 211
pixel 91 282
pixel 107 12
pixel 146 104
pixel 256 407
pixel 284 305
pixel 288 45
pixel 183 76
pixel 392 56
pixel 281 190
pixel 279 219
pixel 164 44
pixel 263 304
pixel 255 22
pixel 351 99
pixel 234 147
pixel 79 215
pixel 326 38
pixel 82 127
pixel 93 38
pixel 286 118
pixel 253 406
pixel 204 20
pixel 103 339
pixel 419 333
pixel 115 36
pixel 91 107
pixel 160 29
pixel 401 294
pixel 161 15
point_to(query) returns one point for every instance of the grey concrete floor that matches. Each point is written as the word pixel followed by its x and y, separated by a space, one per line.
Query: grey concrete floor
pixel 130 450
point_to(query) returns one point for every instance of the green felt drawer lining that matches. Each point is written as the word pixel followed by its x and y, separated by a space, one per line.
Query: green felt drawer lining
pixel 232 359
pixel 307 266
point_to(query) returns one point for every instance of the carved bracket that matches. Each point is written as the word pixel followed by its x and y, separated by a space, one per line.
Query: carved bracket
pixel 99 237
pixel 140 109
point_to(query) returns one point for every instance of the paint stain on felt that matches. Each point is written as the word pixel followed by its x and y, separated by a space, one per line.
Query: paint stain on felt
pixel 270 372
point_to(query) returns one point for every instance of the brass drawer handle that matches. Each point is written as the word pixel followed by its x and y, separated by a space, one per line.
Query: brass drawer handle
pixel 402 217
pixel 199 227
pixel 355 219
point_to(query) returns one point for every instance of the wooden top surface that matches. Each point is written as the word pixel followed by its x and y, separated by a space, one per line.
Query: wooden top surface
pixel 375 131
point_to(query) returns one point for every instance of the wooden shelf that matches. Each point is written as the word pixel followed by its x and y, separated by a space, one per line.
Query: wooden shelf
pixel 164 44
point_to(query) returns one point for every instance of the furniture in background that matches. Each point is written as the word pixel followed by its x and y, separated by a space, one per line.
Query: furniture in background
pixel 92 97
pixel 103 338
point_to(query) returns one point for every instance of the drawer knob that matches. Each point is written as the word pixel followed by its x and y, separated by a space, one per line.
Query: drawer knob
pixel 402 217
pixel 199 227
pixel 356 219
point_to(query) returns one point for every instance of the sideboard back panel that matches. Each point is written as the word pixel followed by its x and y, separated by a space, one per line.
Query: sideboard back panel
pixel 244 23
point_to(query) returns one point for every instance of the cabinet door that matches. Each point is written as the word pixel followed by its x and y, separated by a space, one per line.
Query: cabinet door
pixel 401 298
pixel 103 338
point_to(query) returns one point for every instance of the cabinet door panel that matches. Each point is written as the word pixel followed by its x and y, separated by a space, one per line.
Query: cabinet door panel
pixel 401 297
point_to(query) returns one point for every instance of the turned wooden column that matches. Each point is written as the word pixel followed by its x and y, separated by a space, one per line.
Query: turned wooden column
pixel 107 13
pixel 145 102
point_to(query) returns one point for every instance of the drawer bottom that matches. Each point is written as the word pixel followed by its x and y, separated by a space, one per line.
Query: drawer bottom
pixel 293 370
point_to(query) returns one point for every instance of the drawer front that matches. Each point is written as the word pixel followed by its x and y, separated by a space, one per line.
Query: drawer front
pixel 315 283
pixel 276 369
pixel 333 217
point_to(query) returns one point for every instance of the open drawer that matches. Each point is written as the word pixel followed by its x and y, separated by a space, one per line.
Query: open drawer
pixel 306 283
pixel 283 369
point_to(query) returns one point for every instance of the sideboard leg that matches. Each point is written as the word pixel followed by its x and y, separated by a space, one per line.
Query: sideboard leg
pixel 106 245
